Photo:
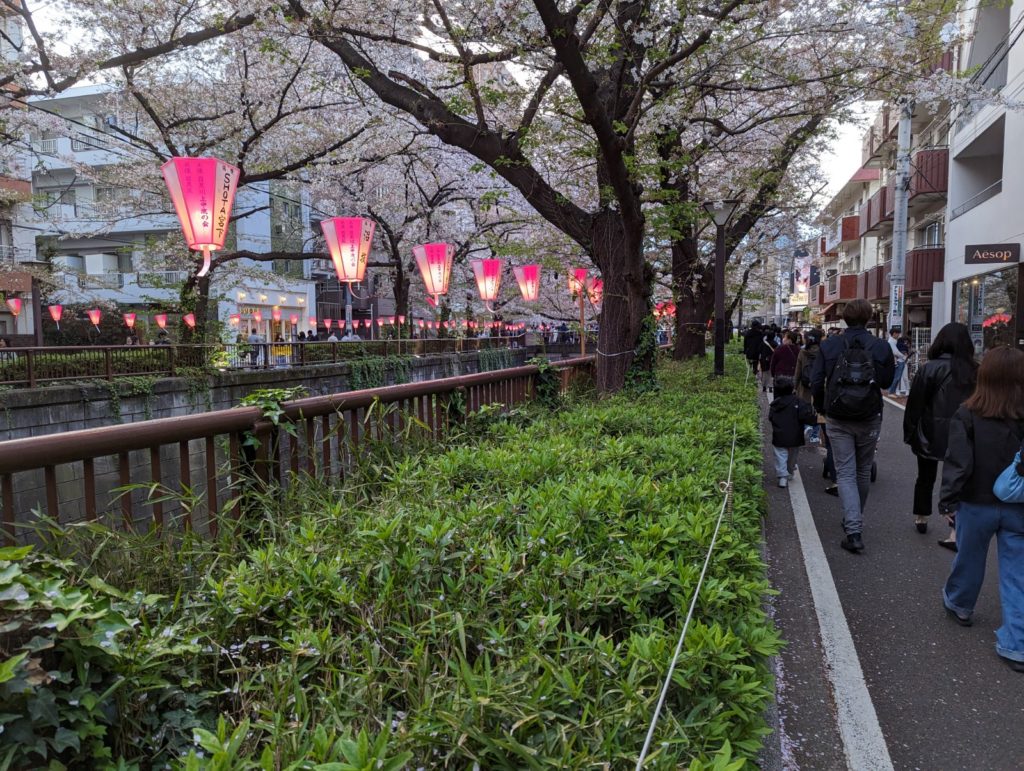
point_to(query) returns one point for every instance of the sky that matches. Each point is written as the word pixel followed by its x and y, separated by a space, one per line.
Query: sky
pixel 844 156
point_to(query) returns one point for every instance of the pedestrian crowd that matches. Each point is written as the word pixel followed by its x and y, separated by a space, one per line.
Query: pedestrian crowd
pixel 962 413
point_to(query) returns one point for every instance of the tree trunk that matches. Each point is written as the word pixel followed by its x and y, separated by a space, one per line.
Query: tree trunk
pixel 694 298
pixel 617 251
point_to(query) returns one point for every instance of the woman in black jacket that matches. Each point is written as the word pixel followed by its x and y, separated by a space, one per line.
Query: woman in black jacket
pixel 984 435
pixel 939 388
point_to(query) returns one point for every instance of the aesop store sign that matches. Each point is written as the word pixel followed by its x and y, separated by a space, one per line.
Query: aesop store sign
pixel 992 254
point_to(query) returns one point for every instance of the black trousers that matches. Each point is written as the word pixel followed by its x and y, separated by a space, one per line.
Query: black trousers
pixel 927 470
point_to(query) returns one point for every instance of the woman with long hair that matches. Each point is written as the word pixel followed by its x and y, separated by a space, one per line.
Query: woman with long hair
pixel 984 436
pixel 938 390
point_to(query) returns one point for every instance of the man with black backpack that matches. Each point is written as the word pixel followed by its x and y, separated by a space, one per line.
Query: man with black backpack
pixel 847 378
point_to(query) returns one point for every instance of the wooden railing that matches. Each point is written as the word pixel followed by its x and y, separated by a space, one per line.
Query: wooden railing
pixel 190 469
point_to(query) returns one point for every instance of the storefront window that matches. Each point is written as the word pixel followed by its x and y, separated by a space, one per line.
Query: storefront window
pixel 987 305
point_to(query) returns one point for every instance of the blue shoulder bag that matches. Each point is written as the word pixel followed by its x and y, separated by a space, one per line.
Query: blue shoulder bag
pixel 1009 487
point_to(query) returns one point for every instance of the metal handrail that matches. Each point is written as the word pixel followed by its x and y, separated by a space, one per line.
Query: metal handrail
pixel 212 447
pixel 978 198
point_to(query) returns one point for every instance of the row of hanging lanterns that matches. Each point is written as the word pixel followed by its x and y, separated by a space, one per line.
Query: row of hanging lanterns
pixel 203 191
pixel 95 314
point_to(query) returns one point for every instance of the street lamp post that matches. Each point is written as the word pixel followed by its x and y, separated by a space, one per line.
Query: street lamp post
pixel 721 212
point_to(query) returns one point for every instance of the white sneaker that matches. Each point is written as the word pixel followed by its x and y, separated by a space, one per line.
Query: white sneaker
pixel 783 481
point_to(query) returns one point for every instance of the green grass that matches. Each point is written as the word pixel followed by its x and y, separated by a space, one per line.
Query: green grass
pixel 510 601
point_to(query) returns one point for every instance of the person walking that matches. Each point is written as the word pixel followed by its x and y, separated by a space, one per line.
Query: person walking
pixel 765 352
pixel 847 380
pixel 802 377
pixel 788 416
pixel 899 356
pixel 938 390
pixel 984 436
pixel 783 362
pixel 752 345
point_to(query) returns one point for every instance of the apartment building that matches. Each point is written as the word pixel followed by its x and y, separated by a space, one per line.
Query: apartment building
pixel 856 250
pixel 983 270
pixel 16 243
pixel 98 238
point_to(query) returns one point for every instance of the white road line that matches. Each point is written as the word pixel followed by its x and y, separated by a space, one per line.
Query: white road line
pixel 895 403
pixel 863 741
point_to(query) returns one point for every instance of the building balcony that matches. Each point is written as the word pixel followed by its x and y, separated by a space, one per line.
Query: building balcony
pixel 877 282
pixel 840 288
pixel 20 187
pixel 9 254
pixel 873 213
pixel 930 178
pixel 841 231
pixel 925 266
pixel 878 137
pixel 816 296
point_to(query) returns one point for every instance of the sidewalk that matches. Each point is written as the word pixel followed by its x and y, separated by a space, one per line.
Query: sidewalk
pixel 937 697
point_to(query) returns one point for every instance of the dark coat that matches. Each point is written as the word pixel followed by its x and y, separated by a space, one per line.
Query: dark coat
pixel 934 398
pixel 752 343
pixel 979 450
pixel 767 348
pixel 788 416
pixel 784 360
pixel 804 365
pixel 832 347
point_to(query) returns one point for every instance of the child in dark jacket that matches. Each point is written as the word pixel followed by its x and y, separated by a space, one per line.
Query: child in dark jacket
pixel 788 415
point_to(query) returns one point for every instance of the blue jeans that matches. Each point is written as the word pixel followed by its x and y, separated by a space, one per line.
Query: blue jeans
pixel 976 523
pixel 853 449
pixel 900 366
pixel 785 461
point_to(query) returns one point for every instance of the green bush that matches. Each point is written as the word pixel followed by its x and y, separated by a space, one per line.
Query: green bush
pixel 83 364
pixel 510 602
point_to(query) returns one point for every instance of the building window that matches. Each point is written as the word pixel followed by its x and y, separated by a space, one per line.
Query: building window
pixel 987 305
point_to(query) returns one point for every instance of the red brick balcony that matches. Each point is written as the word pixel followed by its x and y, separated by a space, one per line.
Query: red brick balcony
pixel 862 283
pixel 925 266
pixel 943 63
pixel 22 188
pixel 930 177
pixel 841 288
pixel 816 295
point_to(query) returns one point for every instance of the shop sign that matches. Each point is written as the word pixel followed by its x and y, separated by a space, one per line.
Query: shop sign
pixel 991 254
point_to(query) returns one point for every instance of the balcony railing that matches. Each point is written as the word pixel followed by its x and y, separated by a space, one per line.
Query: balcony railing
pixel 841 287
pixel 872 213
pixel 9 254
pixel 842 230
pixel 931 173
pixel 45 146
pixel 978 198
pixel 925 266
pixel 161 278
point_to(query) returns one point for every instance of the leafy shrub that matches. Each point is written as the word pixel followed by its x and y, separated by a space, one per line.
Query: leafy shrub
pixel 82 365
pixel 494 358
pixel 512 601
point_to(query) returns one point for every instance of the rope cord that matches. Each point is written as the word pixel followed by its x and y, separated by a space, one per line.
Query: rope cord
pixel 613 355
pixel 726 504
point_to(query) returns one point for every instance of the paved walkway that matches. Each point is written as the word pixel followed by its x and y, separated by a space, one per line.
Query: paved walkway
pixel 906 687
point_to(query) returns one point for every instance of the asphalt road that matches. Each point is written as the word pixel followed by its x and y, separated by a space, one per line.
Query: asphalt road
pixel 943 698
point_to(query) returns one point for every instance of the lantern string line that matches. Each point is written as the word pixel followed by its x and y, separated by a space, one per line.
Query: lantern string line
pixel 613 355
pixel 693 603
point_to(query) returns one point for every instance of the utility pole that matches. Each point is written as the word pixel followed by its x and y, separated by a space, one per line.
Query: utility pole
pixel 898 274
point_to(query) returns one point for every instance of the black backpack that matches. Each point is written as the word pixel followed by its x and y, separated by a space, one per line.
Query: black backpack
pixel 805 372
pixel 852 393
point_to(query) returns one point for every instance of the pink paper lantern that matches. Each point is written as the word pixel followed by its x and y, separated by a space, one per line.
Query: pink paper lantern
pixel 578 280
pixel 293 319
pixel 327 324
pixel 348 242
pixel 129 320
pixel 235 319
pixel 435 264
pixel 94 316
pixel 56 311
pixel 528 278
pixel 257 317
pixel 380 323
pixel 190 320
pixel 595 290
pixel 488 278
pixel 312 321
pixel 161 320
pixel 420 323
pixel 14 304
pixel 275 314
pixel 401 319
pixel 203 192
